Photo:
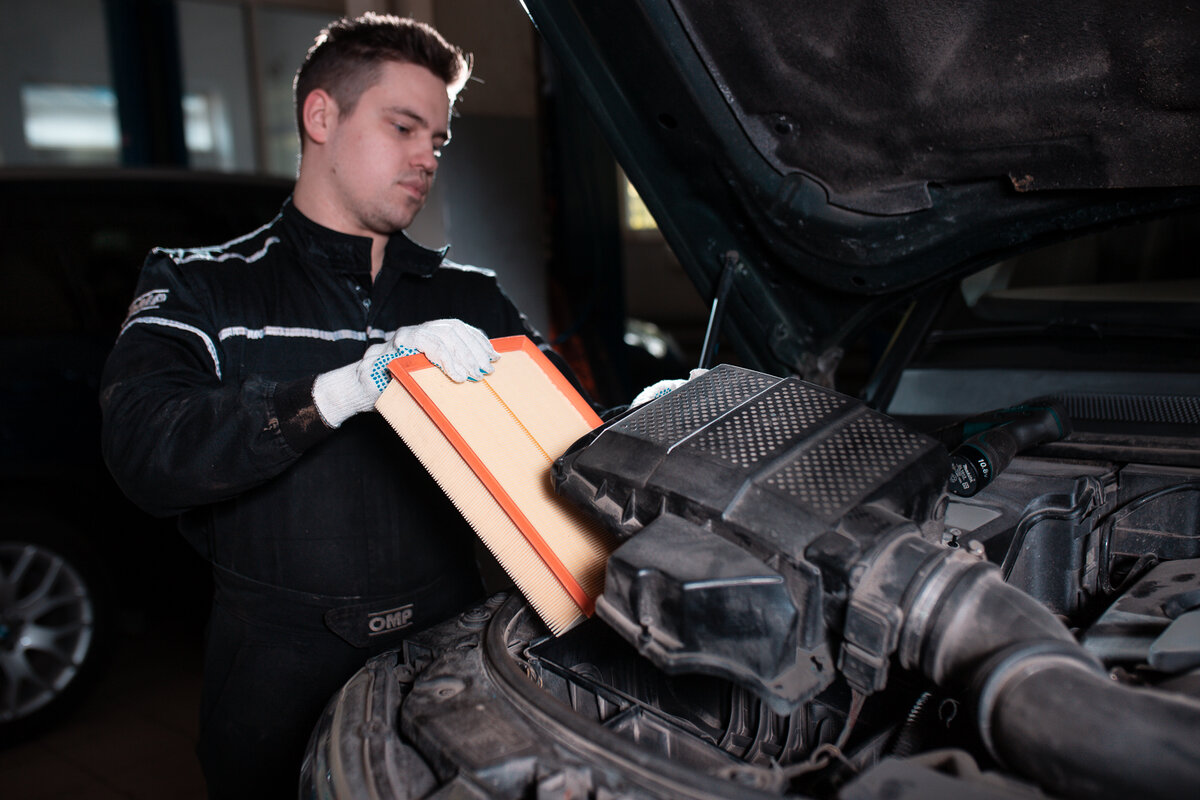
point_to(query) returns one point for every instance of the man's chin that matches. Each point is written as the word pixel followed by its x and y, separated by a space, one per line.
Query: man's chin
pixel 400 220
pixel 411 209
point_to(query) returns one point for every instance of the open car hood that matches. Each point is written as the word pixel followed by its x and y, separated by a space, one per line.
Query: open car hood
pixel 840 159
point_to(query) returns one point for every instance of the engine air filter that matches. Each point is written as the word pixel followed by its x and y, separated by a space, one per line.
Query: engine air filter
pixel 489 445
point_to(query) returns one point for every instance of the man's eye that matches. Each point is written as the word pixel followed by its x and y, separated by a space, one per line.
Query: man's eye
pixel 402 128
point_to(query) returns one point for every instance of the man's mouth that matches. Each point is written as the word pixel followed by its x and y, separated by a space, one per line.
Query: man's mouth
pixel 417 190
pixel 416 187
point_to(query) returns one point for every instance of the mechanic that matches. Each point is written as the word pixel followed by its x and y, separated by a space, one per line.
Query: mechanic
pixel 234 397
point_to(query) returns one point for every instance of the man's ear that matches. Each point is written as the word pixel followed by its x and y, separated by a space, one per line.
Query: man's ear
pixel 319 115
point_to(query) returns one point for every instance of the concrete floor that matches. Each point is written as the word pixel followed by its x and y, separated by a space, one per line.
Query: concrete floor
pixel 134 736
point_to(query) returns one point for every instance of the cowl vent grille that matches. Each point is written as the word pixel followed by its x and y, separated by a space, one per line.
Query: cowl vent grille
pixel 1162 409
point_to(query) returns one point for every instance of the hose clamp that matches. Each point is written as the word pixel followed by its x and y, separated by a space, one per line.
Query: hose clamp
pixel 875 613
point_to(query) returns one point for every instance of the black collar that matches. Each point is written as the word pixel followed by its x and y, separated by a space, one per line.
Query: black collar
pixel 350 253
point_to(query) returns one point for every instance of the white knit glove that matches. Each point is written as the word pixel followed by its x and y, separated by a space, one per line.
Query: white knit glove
pixel 341 393
pixel 665 387
pixel 458 349
pixel 461 351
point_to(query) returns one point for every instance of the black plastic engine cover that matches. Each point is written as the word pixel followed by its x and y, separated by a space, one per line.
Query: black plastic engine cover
pixel 769 491
pixel 715 610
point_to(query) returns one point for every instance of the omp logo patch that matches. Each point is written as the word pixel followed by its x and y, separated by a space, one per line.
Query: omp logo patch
pixel 394 619
pixel 149 300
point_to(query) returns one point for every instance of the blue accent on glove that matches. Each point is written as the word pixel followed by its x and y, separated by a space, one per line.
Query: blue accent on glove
pixel 379 371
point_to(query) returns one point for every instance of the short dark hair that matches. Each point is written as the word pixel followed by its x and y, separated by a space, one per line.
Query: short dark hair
pixel 346 57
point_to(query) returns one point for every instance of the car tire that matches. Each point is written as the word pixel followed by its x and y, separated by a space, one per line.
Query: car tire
pixel 54 626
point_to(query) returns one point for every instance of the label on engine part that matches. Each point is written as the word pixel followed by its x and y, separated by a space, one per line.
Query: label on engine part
pixel 963 478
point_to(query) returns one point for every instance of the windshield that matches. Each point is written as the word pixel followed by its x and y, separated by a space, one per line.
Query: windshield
pixel 1141 277
pixel 1115 313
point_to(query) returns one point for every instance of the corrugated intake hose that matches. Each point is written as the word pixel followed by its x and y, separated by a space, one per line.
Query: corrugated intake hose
pixel 1046 708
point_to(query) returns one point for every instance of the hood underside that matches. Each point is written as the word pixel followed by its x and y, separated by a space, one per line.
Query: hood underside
pixel 878 100
pixel 850 155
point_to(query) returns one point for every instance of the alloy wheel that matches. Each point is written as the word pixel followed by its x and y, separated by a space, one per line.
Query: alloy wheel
pixel 47 623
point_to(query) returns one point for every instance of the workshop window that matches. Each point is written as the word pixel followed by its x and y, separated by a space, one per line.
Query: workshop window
pixel 73 124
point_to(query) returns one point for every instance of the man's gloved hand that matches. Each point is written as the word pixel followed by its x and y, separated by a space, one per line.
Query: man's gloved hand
pixel 657 390
pixel 341 393
pixel 458 349
pixel 461 351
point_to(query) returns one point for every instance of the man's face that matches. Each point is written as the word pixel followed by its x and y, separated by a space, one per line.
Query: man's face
pixel 383 154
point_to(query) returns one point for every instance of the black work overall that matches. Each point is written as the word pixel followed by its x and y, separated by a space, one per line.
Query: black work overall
pixel 208 414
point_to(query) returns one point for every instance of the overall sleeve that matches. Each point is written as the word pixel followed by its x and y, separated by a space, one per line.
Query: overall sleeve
pixel 177 432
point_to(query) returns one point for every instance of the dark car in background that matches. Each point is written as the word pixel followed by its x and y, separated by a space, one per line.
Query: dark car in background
pixel 78 562
pixel 975 571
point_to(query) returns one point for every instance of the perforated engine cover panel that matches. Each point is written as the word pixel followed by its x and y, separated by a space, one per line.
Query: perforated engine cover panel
pixel 777 460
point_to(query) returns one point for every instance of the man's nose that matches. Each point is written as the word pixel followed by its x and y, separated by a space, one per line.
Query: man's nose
pixel 426 158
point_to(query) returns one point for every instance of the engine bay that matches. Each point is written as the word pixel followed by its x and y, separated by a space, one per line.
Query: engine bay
pixel 758 491
pixel 800 607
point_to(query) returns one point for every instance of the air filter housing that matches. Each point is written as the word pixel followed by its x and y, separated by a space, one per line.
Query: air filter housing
pixel 747 500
